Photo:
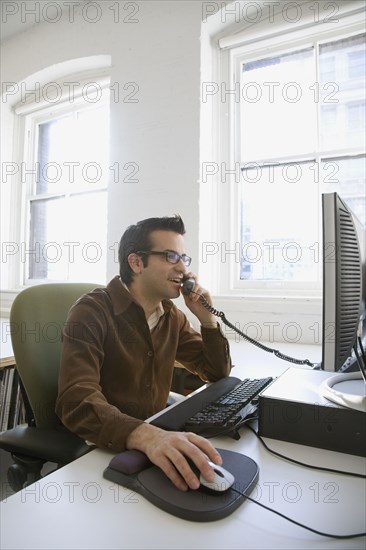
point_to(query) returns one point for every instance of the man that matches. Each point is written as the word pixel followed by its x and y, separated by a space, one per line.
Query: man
pixel 119 348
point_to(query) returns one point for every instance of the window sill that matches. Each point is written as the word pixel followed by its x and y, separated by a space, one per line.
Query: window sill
pixel 7 298
pixel 289 319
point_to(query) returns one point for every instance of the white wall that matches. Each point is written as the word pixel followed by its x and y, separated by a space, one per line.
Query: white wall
pixel 157 50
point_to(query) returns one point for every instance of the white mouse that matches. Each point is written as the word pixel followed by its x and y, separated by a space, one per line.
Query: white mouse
pixel 223 479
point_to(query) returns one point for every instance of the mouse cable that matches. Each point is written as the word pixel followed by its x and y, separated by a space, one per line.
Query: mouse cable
pixel 276 352
pixel 245 422
pixel 330 535
pixel 351 474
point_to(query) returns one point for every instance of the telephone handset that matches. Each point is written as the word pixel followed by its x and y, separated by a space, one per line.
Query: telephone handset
pixel 188 286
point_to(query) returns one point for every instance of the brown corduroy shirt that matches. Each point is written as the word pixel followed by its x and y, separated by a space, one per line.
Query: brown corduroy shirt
pixel 115 373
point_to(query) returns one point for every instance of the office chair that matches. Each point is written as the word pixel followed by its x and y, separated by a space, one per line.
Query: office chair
pixel 37 317
pixel 183 381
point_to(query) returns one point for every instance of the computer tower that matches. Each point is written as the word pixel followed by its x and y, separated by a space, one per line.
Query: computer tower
pixel 294 409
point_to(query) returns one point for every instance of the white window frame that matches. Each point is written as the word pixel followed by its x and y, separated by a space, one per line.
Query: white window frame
pixel 263 315
pixel 28 117
pixel 227 192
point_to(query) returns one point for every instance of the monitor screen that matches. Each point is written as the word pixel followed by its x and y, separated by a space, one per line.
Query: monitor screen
pixel 344 283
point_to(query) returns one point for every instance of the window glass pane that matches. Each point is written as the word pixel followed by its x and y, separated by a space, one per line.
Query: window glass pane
pixel 347 177
pixel 342 93
pixel 48 219
pixel 277 108
pixel 68 212
pixel 54 149
pixel 69 238
pixel 89 215
pixel 73 152
pixel 280 202
pixel 279 223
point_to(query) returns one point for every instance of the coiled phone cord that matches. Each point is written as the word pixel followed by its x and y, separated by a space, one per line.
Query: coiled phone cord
pixel 276 352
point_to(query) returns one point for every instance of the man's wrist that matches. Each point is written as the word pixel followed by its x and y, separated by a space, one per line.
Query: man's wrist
pixel 141 436
pixel 136 437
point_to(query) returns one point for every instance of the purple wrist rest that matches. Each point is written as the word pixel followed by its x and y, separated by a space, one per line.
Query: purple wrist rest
pixel 130 462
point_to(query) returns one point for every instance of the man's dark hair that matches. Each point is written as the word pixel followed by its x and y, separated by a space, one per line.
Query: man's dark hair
pixel 137 237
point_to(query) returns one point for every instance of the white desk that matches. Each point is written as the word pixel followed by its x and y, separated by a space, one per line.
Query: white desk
pixel 76 507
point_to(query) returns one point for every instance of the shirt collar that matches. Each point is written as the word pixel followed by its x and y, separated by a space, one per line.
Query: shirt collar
pixel 153 320
pixel 122 299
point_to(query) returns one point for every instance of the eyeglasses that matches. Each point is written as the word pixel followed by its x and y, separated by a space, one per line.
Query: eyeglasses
pixel 170 256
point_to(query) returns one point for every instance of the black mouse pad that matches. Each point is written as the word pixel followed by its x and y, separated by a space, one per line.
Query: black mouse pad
pixel 199 505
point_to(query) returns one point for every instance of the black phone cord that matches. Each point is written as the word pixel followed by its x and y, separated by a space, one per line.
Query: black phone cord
pixel 276 352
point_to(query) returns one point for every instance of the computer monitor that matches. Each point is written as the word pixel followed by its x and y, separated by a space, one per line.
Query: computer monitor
pixel 344 287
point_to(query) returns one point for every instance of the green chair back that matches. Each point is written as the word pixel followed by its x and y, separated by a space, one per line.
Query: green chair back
pixel 37 317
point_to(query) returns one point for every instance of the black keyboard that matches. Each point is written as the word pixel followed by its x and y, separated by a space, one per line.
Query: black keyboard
pixel 228 412
pixel 227 402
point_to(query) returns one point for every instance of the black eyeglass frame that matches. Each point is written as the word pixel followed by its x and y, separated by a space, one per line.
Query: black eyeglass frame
pixel 169 255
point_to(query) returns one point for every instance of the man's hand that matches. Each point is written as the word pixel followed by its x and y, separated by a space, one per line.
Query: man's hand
pixel 170 451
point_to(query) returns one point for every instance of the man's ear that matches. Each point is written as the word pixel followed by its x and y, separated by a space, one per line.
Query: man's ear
pixel 135 262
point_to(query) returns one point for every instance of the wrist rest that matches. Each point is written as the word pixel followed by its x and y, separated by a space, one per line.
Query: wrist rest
pixel 130 462
pixel 200 505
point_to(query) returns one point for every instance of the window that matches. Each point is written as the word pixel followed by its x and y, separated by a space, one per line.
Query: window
pixel 297 129
pixel 65 232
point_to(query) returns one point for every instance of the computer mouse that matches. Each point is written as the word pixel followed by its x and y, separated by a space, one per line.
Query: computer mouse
pixel 223 479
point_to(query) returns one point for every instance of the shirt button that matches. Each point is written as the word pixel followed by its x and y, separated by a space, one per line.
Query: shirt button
pixel 150 353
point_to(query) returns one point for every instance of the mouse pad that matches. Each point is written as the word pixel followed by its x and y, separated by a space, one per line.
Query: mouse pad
pixel 199 505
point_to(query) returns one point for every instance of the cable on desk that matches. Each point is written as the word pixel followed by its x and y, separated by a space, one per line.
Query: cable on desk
pixel 351 474
pixel 303 464
pixel 330 535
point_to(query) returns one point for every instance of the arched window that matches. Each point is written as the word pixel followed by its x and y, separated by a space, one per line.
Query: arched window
pixel 62 178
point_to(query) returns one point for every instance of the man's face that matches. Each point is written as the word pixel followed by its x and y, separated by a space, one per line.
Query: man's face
pixel 161 279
